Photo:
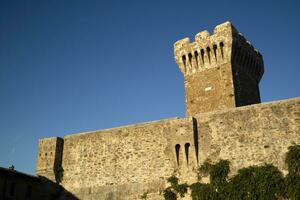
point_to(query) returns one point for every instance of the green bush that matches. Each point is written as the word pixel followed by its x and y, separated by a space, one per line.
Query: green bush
pixel 169 194
pixel 204 169
pixel 201 191
pixel 292 160
pixel 292 180
pixel 173 180
pixel 255 182
pixel 218 174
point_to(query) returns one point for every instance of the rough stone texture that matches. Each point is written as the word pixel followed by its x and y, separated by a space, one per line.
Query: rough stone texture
pixel 49 157
pixel 127 162
pixel 124 161
pixel 250 135
pixel 221 71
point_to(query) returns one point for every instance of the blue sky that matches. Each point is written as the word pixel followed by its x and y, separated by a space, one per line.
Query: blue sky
pixel 73 66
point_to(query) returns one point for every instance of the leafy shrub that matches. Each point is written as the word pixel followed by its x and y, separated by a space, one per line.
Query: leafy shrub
pixel 292 159
pixel 169 194
pixel 292 180
pixel 201 191
pixel 204 169
pixel 218 174
pixel 255 182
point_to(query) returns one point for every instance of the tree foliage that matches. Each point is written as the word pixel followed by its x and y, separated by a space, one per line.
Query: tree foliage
pixel 175 189
pixel 292 180
pixel 255 182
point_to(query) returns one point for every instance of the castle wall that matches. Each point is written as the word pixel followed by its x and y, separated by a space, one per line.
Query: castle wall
pixel 129 161
pixel 125 162
pixel 221 71
pixel 49 157
pixel 250 135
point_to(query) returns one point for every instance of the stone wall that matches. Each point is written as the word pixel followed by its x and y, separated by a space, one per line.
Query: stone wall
pixel 250 135
pixel 221 71
pixel 127 162
pixel 49 157
pixel 209 90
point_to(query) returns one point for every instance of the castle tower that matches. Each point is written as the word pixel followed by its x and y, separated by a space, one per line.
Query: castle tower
pixel 222 70
pixel 49 158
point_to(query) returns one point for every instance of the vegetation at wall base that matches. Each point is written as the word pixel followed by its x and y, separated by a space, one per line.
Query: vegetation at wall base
pixel 175 189
pixel 255 182
pixel 292 180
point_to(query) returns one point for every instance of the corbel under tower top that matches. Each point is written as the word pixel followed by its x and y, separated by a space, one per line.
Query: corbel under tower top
pixel 221 71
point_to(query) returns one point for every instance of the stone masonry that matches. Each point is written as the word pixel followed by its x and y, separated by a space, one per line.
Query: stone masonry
pixel 222 72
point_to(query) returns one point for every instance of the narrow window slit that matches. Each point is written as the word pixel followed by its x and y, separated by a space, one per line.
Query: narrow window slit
pixel 187 146
pixel 196 57
pixel 184 62
pixel 202 55
pixel 208 54
pixel 177 148
pixel 190 58
pixel 222 49
pixel 215 51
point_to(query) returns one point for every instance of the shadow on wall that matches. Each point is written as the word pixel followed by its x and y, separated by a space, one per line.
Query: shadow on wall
pixel 16 185
pixel 54 191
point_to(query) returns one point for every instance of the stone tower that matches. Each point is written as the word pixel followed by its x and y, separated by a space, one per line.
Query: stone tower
pixel 222 70
pixel 49 157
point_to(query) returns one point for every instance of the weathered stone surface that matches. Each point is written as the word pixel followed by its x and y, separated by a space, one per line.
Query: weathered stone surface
pixel 132 161
pixel 250 135
pixel 220 70
pixel 126 162
pixel 49 157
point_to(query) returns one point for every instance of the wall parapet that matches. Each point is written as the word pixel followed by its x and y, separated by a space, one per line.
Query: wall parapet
pixel 225 45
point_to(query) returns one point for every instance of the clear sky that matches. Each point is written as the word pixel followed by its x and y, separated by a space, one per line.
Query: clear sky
pixel 73 66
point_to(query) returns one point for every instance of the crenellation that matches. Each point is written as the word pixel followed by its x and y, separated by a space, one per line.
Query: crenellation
pixel 206 51
pixel 194 57
pixel 225 29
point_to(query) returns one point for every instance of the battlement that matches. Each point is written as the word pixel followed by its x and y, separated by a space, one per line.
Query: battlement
pixel 225 45
pixel 221 70
pixel 206 51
